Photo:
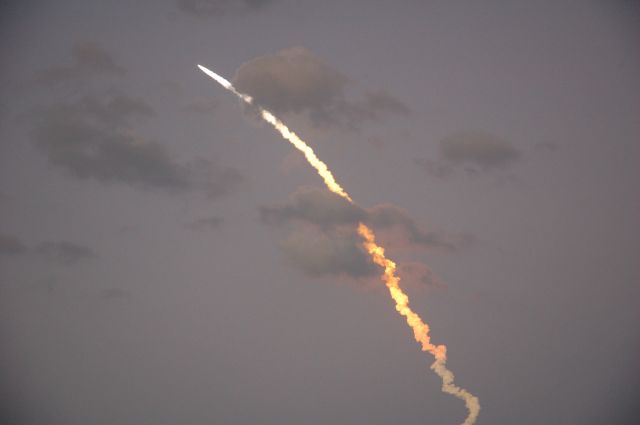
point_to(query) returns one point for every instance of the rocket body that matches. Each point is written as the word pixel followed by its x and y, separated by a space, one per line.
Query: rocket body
pixel 226 84
pixel 220 80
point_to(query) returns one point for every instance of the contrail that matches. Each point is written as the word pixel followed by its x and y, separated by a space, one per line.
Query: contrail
pixel 420 329
pixel 289 135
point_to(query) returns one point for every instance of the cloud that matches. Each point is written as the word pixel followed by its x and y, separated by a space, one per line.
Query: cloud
pixel 482 149
pixel 323 240
pixel 65 253
pixel 328 253
pixel 89 59
pixel 11 246
pixel 295 81
pixel 473 152
pixel 213 180
pixel 379 102
pixel 206 8
pixel 326 209
pixel 318 206
pixel 388 216
pixel 291 80
pixel 205 223
pixel 92 138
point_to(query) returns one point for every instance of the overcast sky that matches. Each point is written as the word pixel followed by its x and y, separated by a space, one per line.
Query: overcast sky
pixel 166 258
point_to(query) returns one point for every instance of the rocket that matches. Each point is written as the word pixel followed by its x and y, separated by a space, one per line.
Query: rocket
pixel 226 84
pixel 377 254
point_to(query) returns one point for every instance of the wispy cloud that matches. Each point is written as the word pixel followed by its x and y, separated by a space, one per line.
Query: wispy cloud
pixel 89 59
pixel 93 138
pixel 65 253
pixel 322 237
pixel 471 151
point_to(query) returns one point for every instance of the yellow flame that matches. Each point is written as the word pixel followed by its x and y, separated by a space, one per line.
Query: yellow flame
pixel 420 329
pixel 309 154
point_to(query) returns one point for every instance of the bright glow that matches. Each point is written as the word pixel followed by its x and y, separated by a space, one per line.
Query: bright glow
pixel 420 329
pixel 226 84
pixel 309 154
pixel 220 80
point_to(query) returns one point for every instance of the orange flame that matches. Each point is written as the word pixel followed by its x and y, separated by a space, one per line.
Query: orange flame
pixel 420 329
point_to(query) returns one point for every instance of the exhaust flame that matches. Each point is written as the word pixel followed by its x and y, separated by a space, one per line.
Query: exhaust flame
pixel 420 329
pixel 309 154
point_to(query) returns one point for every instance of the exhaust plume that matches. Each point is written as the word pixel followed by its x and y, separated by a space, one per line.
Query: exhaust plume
pixel 392 281
pixel 420 329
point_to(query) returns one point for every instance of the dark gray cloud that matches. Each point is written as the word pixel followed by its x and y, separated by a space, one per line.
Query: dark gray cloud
pixel 64 252
pixel 210 178
pixel 89 59
pixel 291 80
pixel 323 240
pixel 205 223
pixel 296 81
pixel 318 252
pixel 205 8
pixel 11 246
pixel 473 152
pixel 93 138
pixel 318 206
pixel 388 216
pixel 379 102
pixel 478 148
pixel 326 209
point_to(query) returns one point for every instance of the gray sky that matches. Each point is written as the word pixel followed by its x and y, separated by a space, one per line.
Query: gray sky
pixel 166 258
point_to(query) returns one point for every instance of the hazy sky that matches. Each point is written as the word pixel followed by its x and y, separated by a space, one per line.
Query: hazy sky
pixel 166 258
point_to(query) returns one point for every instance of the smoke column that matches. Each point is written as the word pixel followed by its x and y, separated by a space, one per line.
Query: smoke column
pixel 420 329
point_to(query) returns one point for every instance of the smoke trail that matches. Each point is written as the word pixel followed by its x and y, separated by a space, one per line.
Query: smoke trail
pixel 315 162
pixel 420 329
pixel 289 135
